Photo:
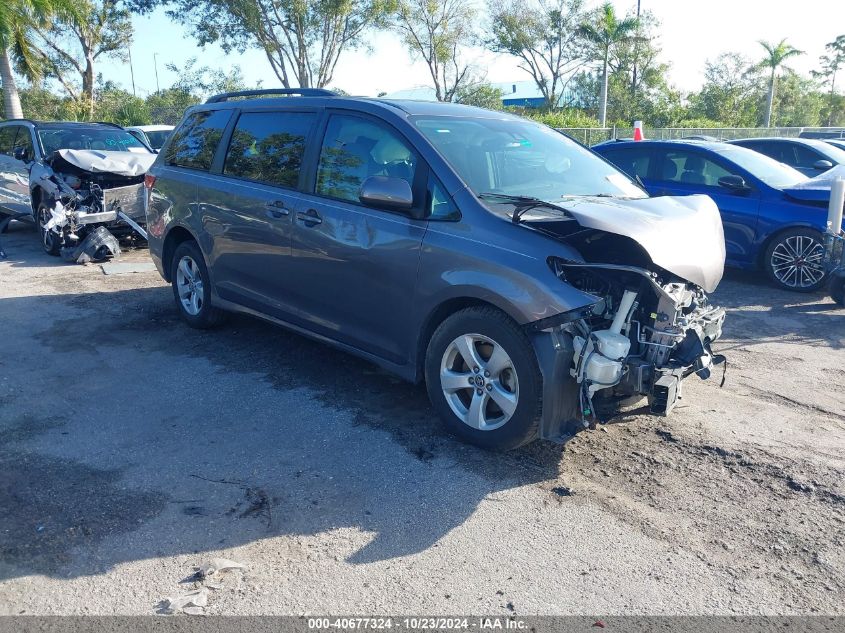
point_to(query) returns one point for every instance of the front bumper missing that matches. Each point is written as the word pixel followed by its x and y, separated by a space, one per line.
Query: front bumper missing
pixel 661 383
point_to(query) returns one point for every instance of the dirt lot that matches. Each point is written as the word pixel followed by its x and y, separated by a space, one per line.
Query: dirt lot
pixel 133 448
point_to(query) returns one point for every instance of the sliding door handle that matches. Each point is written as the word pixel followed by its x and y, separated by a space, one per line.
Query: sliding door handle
pixel 276 209
pixel 309 218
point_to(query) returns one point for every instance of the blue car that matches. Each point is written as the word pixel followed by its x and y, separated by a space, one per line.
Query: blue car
pixel 772 219
pixel 808 155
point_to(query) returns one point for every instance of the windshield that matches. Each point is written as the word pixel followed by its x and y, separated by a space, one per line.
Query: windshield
pixel 157 137
pixel 108 139
pixel 523 158
pixel 770 171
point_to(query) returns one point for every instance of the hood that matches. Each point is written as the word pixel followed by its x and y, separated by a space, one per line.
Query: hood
pixel 818 188
pixel 120 163
pixel 681 234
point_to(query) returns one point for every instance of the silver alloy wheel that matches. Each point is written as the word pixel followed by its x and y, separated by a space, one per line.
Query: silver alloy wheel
pixel 797 261
pixel 479 382
pixel 48 237
pixel 189 285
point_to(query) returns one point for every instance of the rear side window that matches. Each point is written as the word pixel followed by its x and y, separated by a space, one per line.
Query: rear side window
pixel 268 147
pixel 692 168
pixel 193 145
pixel 634 161
pixel 355 149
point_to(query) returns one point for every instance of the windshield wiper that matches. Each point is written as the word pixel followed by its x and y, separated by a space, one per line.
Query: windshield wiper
pixel 521 204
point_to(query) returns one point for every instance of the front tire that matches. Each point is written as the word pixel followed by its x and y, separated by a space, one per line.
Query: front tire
pixel 51 241
pixel 483 379
pixel 192 288
pixel 793 260
pixel 837 287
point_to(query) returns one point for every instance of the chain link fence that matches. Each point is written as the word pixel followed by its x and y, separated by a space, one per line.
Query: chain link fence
pixel 593 135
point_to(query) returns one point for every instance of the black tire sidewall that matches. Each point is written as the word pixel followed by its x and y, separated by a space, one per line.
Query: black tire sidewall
pixel 767 257
pixel 208 314
pixel 524 424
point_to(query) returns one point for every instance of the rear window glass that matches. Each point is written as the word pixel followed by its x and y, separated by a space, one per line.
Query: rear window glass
pixel 194 143
pixel 269 146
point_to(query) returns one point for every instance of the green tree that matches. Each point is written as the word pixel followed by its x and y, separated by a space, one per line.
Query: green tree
pixel 604 32
pixel 798 102
pixel 436 30
pixel 543 35
pixel 116 105
pixel 17 17
pixel 481 95
pixel 302 39
pixel 69 49
pixel 830 63
pixel 732 92
pixel 776 55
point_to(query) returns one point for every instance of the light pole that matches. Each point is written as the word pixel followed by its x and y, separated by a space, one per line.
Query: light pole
pixel 636 54
pixel 131 70
pixel 155 64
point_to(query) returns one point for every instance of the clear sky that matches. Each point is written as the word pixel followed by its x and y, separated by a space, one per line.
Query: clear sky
pixel 692 32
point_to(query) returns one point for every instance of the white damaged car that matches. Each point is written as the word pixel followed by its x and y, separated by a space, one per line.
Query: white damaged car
pixel 82 183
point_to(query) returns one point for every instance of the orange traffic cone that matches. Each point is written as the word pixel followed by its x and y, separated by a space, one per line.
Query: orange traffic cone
pixel 638 131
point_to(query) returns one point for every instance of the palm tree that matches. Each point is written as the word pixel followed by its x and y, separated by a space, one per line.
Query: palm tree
pixel 16 18
pixel 607 31
pixel 776 54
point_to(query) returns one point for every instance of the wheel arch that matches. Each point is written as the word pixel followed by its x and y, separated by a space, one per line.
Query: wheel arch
pixel 175 236
pixel 436 316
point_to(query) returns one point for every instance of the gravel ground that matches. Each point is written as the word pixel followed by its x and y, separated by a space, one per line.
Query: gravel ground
pixel 133 449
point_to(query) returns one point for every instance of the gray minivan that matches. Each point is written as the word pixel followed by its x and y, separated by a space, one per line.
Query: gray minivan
pixel 517 273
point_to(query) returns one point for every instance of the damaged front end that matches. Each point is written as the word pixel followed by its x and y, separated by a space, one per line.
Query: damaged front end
pixel 642 337
pixel 92 201
pixel 651 324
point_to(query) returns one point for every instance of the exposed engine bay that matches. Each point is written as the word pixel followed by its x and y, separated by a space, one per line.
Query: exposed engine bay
pixel 648 327
pixel 95 200
pixel 644 334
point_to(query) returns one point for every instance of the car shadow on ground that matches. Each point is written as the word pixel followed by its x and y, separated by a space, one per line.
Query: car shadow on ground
pixel 139 438
pixel 758 312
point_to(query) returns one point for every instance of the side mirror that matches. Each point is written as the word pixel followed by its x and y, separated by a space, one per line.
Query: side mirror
pixel 822 165
pixel 384 192
pixel 20 153
pixel 734 183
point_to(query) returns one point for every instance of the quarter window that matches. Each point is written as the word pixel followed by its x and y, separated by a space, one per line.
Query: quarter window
pixel 268 147
pixel 194 144
pixel 440 205
pixel 355 149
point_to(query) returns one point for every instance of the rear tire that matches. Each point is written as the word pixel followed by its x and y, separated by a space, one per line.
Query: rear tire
pixel 793 260
pixel 501 408
pixel 192 287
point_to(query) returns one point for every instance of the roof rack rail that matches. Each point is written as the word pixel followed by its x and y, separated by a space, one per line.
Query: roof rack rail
pixel 302 92
pixel 22 120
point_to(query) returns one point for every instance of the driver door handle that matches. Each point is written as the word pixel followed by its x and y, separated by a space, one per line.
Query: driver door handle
pixel 309 218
